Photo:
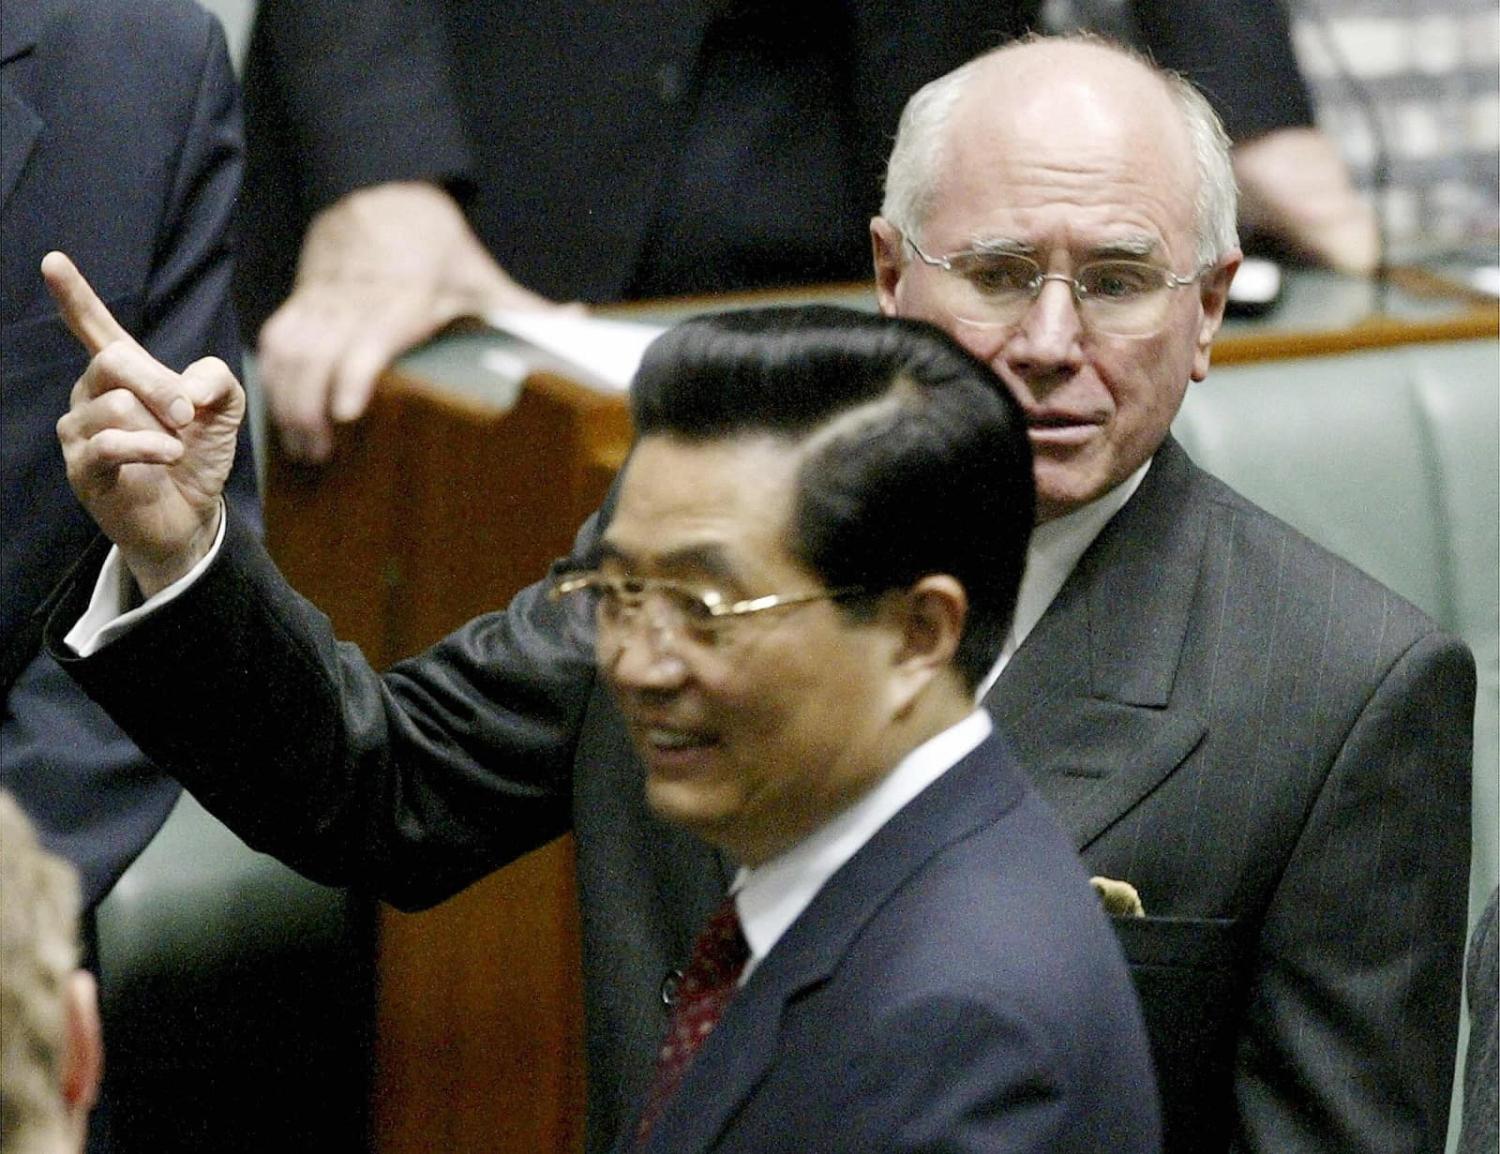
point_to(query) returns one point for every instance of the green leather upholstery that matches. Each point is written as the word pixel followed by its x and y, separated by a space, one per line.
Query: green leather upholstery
pixel 237 999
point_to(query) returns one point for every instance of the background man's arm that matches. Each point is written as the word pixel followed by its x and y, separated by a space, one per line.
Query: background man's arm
pixel 1294 185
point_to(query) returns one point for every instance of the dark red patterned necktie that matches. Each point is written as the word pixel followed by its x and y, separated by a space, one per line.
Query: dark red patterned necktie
pixel 710 980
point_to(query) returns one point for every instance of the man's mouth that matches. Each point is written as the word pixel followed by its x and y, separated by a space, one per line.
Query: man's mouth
pixel 669 740
pixel 671 750
pixel 1060 428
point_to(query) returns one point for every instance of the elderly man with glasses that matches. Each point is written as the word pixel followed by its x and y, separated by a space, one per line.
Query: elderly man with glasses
pixel 1263 754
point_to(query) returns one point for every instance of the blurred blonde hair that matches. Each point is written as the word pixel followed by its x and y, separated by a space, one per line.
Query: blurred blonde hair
pixel 38 951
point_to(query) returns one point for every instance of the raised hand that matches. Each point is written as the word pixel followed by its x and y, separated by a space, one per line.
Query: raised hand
pixel 147 449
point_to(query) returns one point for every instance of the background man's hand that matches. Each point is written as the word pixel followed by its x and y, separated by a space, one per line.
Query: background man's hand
pixel 380 271
pixel 147 449
pixel 1295 186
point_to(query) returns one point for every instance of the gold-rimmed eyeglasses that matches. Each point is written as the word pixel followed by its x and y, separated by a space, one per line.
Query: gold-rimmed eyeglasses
pixel 704 616
pixel 1119 297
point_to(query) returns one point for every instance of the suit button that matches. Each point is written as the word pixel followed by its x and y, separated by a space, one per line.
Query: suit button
pixel 669 986
pixel 668 80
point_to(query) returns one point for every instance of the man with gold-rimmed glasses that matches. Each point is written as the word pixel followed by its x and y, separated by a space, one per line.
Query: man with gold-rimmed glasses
pixel 792 614
pixel 1270 749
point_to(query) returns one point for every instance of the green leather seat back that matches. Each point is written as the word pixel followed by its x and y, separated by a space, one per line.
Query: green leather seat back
pixel 238 1001
pixel 1389 458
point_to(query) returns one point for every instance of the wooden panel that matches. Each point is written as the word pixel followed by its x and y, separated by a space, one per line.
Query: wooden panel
pixel 435 509
pixel 480 1022
pixel 1477 322
pixel 330 528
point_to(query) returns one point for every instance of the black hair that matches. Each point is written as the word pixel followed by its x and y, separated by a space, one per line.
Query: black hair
pixel 917 456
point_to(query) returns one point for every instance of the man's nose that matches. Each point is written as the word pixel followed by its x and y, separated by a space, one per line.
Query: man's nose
pixel 642 657
pixel 1049 335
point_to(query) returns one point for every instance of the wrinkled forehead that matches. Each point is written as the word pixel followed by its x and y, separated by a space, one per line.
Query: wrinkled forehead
pixel 1062 126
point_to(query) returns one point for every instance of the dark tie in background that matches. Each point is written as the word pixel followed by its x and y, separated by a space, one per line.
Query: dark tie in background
pixel 710 980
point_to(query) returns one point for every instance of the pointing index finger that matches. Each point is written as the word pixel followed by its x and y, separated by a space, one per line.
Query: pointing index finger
pixel 86 316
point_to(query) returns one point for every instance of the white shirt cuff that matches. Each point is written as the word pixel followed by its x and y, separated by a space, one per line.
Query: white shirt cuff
pixel 106 618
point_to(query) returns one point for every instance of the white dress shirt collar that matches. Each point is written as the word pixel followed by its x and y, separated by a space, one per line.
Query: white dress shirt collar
pixel 773 895
pixel 1055 549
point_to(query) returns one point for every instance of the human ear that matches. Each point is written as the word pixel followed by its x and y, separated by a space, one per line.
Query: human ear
pixel 1213 293
pixel 885 245
pixel 931 621
pixel 83 1044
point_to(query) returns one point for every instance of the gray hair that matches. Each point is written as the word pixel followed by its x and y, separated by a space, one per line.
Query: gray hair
pixel 917 155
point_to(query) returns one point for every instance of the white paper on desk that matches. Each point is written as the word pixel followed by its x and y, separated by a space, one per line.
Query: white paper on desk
pixel 608 351
pixel 1486 279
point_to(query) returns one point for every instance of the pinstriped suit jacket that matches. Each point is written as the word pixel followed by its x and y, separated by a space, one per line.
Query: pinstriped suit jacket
pixel 1273 748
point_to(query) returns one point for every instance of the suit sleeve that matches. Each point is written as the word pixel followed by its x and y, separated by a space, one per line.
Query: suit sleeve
pixel 1480 1129
pixel 339 95
pixel 1352 1023
pixel 412 785
pixel 1239 52
pixel 358 92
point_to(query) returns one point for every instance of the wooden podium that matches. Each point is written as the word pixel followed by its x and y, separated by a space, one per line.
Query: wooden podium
pixel 447 498
pixel 437 507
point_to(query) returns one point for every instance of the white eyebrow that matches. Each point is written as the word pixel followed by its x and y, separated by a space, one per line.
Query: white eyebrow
pixel 1001 246
pixel 1130 246
pixel 1134 246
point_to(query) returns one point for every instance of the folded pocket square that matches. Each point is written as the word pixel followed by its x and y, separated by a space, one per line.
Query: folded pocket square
pixel 1119 898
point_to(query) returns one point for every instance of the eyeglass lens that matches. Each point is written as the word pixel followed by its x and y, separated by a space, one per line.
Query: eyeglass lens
pixel 1120 297
pixel 665 607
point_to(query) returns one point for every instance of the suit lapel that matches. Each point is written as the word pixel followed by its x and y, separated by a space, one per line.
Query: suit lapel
pixel 19 123
pixel 740 1052
pixel 1086 700
pixel 724 1073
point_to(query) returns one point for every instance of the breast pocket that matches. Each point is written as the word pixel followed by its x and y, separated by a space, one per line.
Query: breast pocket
pixel 1190 974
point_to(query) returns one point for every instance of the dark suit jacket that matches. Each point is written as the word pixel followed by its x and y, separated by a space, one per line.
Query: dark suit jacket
pixel 1480 1131
pixel 1275 750
pixel 631 148
pixel 953 987
pixel 119 144
pixel 1272 747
